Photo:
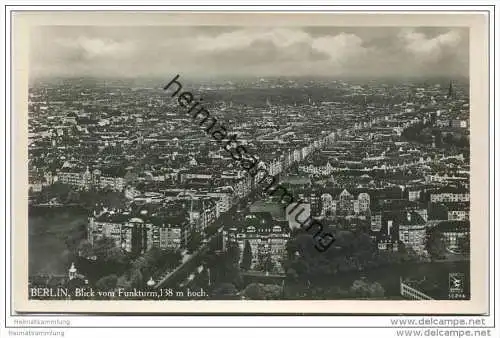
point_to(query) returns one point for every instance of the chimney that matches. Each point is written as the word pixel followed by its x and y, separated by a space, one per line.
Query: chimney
pixel 408 216
pixel 389 228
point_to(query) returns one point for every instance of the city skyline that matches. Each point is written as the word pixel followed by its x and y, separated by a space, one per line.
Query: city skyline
pixel 382 168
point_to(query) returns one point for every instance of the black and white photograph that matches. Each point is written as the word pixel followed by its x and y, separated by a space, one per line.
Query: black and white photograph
pixel 240 162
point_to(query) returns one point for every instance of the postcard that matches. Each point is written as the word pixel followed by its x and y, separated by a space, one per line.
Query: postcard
pixel 250 162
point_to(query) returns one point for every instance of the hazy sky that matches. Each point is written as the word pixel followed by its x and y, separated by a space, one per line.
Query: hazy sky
pixel 241 51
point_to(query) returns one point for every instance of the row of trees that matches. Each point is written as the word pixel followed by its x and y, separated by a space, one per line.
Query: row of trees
pixel 246 260
pixel 426 134
pixel 352 251
pixel 224 265
pixel 194 241
pixel 356 251
pixel 110 266
pixel 67 194
pixel 258 291
pixel 265 261
pixel 359 289
pixel 225 274
pixel 435 244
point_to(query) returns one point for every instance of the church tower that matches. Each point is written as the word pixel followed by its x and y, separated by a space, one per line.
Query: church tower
pixel 450 90
pixel 72 271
